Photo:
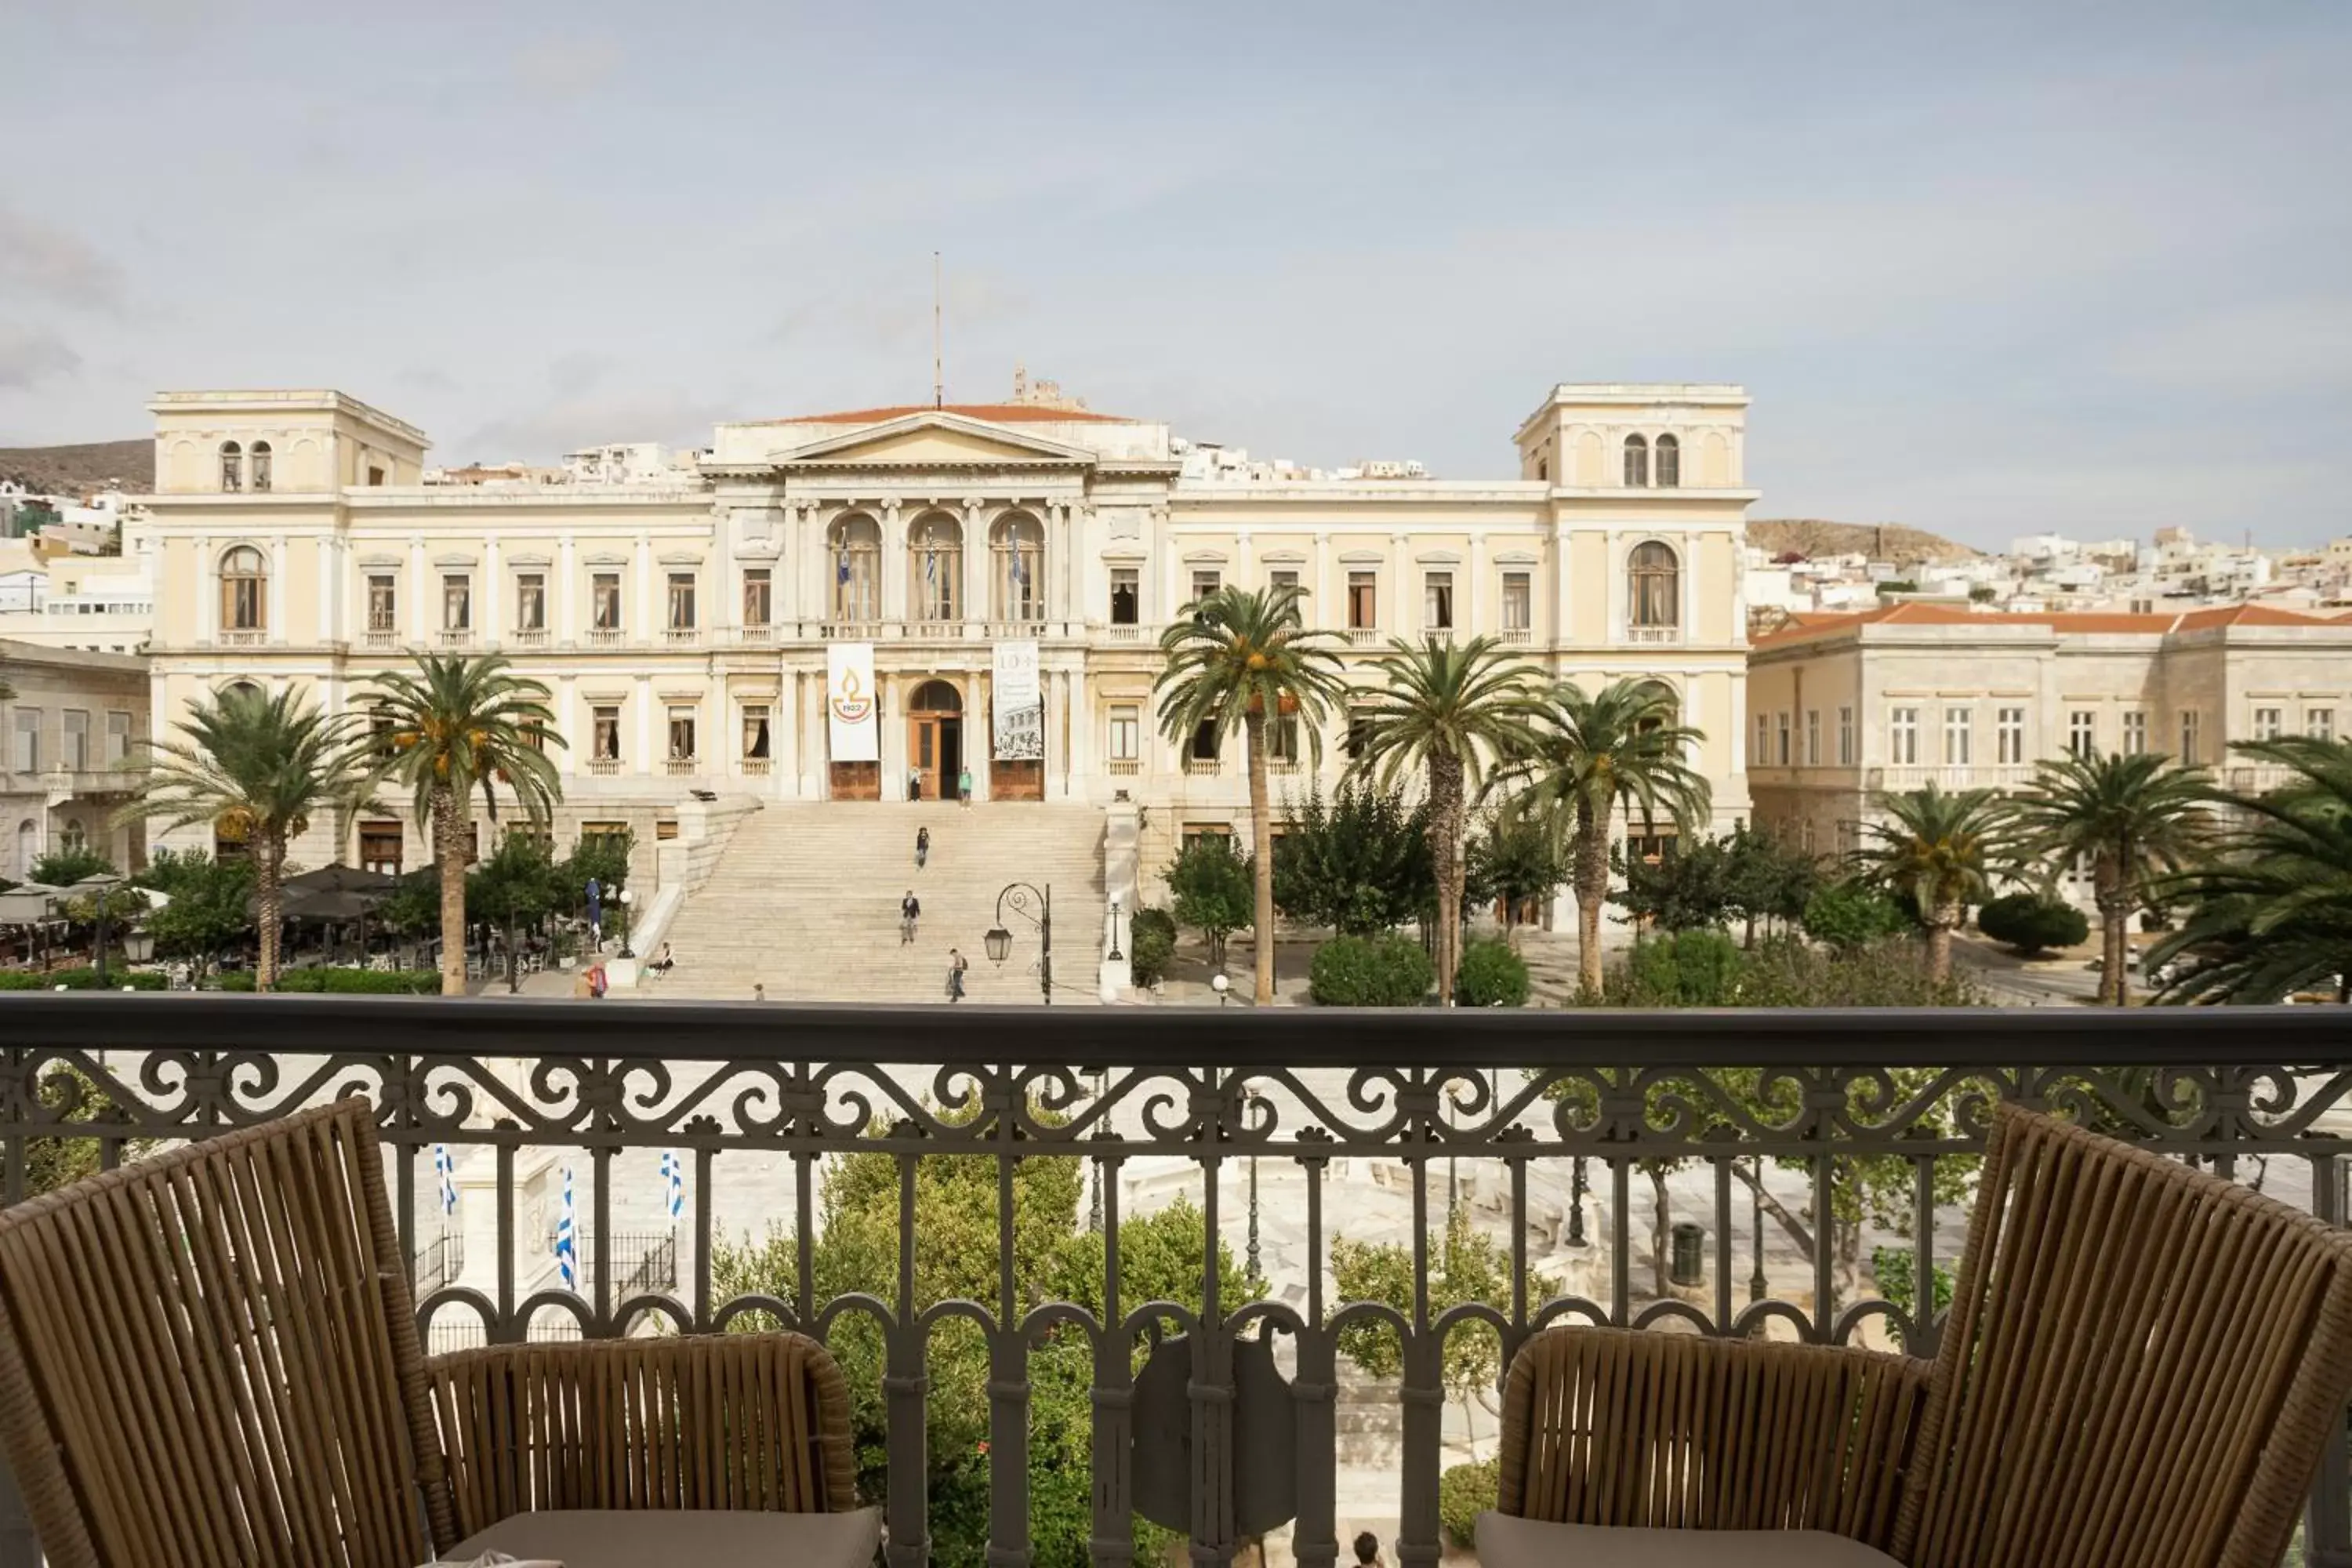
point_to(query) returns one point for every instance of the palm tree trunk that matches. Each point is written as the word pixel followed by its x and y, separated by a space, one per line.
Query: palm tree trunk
pixel 2115 939
pixel 1261 855
pixel 1591 882
pixel 1446 844
pixel 1662 1230
pixel 1941 923
pixel 267 872
pixel 450 855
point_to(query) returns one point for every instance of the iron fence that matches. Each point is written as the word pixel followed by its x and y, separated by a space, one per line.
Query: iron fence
pixel 1631 1169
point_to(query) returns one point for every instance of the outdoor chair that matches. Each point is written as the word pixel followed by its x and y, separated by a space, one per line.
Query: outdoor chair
pixel 2140 1368
pixel 212 1357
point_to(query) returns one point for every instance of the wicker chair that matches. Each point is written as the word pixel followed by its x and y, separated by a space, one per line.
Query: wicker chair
pixel 2140 1370
pixel 211 1357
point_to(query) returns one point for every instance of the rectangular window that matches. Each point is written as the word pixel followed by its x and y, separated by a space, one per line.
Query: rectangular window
pixel 1363 599
pixel 1282 739
pixel 1780 733
pixel 1126 596
pixel 1903 737
pixel 2012 736
pixel 1206 581
pixel 1283 577
pixel 25 751
pixel 1812 737
pixel 1203 746
pixel 118 738
pixel 383 603
pixel 755 597
pixel 1760 753
pixel 74 755
pixel 681 735
pixel 379 847
pixel 604 601
pixel 1126 734
pixel 1845 737
pixel 2189 724
pixel 1359 731
pixel 681 601
pixel 1518 601
pixel 1956 737
pixel 2134 734
pixel 1194 832
pixel 2268 723
pixel 605 743
pixel 1437 601
pixel 2319 723
pixel 456 604
pixel 2082 732
pixel 530 601
pixel 755 731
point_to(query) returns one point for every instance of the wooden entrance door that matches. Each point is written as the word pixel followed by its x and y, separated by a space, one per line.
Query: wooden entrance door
pixel 934 738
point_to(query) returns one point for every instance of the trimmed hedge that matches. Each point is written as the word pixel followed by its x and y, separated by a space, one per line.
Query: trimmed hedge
pixel 2028 923
pixel 1491 975
pixel 1150 943
pixel 343 982
pixel 1463 1493
pixel 84 979
pixel 1370 971
pixel 1687 968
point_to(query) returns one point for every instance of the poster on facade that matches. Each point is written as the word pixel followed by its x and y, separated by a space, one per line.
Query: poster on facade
pixel 852 732
pixel 1018 734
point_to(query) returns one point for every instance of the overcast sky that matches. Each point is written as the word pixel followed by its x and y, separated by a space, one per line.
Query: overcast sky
pixel 1985 267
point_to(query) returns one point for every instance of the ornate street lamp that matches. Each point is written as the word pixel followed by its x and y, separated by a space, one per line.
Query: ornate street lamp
pixel 1115 954
pixel 1035 905
pixel 628 897
pixel 1220 985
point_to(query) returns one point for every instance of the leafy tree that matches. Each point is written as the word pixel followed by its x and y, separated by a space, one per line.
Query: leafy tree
pixel 51 1163
pixel 459 724
pixel 1686 969
pixel 256 769
pixel 1358 864
pixel 64 868
pixel 1620 749
pixel 1492 976
pixel 1851 915
pixel 1370 971
pixel 413 904
pixel 1514 860
pixel 604 855
pixel 1939 850
pixel 1771 881
pixel 2131 818
pixel 1450 713
pixel 2270 916
pixel 2028 923
pixel 1213 890
pixel 1239 661
pixel 516 887
pixel 35 513
pixel 1689 887
pixel 1151 944
pixel 211 908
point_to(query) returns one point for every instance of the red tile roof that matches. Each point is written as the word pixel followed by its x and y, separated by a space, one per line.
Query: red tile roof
pixel 995 413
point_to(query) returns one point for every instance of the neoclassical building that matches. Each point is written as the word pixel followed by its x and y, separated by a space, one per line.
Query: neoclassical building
pixel 990 579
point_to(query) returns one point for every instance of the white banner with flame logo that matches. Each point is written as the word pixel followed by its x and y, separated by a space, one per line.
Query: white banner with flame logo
pixel 852 732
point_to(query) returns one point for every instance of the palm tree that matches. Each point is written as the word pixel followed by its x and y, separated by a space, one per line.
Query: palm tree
pixel 1448 711
pixel 2272 916
pixel 1235 661
pixel 1942 851
pixel 2130 818
pixel 456 725
pixel 256 769
pixel 1623 747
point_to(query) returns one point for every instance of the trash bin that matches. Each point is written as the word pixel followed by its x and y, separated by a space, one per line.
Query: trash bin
pixel 1688 1266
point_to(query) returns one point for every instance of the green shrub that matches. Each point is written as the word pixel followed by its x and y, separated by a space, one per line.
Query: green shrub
pixel 1688 969
pixel 1150 943
pixel 2028 923
pixel 83 979
pixel 1491 975
pixel 1370 971
pixel 1463 1493
pixel 343 982
pixel 1892 1267
pixel 1849 916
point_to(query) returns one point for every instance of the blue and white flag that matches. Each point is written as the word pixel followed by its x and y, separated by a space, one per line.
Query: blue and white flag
pixel 673 1183
pixel 844 567
pixel 567 1254
pixel 444 1164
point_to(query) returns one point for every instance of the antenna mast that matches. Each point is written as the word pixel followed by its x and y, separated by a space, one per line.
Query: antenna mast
pixel 939 360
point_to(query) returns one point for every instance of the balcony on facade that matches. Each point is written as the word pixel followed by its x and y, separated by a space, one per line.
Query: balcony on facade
pixel 1619 1166
pixel 527 638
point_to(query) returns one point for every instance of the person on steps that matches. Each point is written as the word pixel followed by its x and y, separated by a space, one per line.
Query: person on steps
pixel 910 909
pixel 922 847
pixel 963 786
pixel 956 966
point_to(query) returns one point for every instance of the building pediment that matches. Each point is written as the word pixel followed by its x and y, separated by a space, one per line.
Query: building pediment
pixel 933 438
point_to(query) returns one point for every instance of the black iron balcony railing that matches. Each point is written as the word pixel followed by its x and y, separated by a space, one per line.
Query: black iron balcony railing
pixel 1801 1174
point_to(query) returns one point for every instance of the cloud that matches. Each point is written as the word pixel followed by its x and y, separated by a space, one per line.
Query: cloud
pixel 567 69
pixel 425 378
pixel 2291 347
pixel 55 266
pixel 32 354
pixel 577 373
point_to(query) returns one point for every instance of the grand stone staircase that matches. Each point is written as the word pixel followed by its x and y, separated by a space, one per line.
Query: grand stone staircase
pixel 804 901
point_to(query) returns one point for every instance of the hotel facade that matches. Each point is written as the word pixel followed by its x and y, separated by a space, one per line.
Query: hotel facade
pixel 992 581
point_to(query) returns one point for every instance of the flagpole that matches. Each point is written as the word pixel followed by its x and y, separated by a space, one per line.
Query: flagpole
pixel 939 341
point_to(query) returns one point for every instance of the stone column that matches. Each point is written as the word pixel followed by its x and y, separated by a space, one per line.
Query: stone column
pixel 978 570
pixel 420 586
pixel 487 593
pixel 567 723
pixel 644 615
pixel 1467 592
pixel 642 699
pixel 330 591
pixel 207 605
pixel 896 566
pixel 1399 606
pixel 280 632
pixel 567 622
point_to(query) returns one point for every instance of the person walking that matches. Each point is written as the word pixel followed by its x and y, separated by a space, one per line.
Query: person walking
pixel 922 847
pixel 910 909
pixel 963 786
pixel 759 991
pixel 914 784
pixel 956 967
pixel 597 982
pixel 1368 1550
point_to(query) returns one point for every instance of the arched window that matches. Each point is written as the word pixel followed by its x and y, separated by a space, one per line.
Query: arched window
pixel 1670 704
pixel 935 557
pixel 261 464
pixel 1637 462
pixel 854 543
pixel 232 466
pixel 28 849
pixel 245 582
pixel 1670 462
pixel 1017 568
pixel 936 697
pixel 244 688
pixel 1653 589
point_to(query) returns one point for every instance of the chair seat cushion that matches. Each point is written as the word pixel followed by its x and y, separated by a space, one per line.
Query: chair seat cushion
pixel 1507 1543
pixel 651 1538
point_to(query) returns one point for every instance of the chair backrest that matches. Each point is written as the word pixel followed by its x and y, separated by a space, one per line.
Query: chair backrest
pixel 2140 1369
pixel 211 1357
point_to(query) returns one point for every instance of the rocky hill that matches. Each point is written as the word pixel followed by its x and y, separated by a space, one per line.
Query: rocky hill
pixel 1811 537
pixel 79 469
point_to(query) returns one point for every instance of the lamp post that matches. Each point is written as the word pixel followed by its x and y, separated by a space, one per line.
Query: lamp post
pixel 1035 905
pixel 1220 985
pixel 628 897
pixel 1115 954
pixel 1255 1274
pixel 1576 1204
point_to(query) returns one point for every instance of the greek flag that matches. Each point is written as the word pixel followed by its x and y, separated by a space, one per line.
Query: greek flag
pixel 674 1182
pixel 444 1164
pixel 567 1254
pixel 845 566
pixel 1020 569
